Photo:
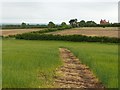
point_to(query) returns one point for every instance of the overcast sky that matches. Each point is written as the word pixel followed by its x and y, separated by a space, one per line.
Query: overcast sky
pixel 43 11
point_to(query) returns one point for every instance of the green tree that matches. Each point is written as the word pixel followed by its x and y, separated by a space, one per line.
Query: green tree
pixel 91 23
pixel 73 23
pixel 82 23
pixel 23 25
pixel 51 25
pixel 63 24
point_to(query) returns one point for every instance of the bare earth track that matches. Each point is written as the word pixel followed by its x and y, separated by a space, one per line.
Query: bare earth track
pixel 74 74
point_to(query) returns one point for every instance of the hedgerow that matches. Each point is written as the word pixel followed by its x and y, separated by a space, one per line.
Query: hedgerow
pixel 46 30
pixel 75 38
pixel 52 29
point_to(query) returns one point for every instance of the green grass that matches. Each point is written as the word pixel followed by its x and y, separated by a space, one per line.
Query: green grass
pixel 32 64
pixel 0 62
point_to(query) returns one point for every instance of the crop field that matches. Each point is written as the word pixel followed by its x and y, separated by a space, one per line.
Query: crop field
pixel 91 31
pixel 6 32
pixel 32 64
pixel 0 63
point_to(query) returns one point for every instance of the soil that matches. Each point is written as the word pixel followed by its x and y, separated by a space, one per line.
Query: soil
pixel 74 74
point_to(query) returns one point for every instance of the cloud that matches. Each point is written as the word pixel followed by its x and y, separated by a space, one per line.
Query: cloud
pixel 59 0
pixel 43 12
pixel 119 12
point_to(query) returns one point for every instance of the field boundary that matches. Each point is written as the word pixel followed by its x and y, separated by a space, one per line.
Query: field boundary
pixel 74 38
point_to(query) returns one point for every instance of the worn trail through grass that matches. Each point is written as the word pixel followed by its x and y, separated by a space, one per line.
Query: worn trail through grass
pixel 74 74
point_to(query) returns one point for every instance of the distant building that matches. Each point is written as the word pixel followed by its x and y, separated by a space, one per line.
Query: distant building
pixel 104 22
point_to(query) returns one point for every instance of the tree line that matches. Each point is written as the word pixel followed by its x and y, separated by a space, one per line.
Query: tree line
pixel 23 26
pixel 72 24
pixel 83 23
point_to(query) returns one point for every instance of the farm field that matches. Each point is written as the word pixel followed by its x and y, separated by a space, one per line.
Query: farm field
pixel 6 32
pixel 91 31
pixel 0 63
pixel 31 64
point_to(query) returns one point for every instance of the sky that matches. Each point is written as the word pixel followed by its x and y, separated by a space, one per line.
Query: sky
pixel 119 12
pixel 43 11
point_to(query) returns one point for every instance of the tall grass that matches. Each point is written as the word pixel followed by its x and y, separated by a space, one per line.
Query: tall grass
pixel 102 59
pixel 0 62
pixel 31 64
pixel 28 64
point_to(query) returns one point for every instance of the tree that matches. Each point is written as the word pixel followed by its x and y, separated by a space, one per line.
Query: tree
pixel 51 25
pixel 91 23
pixel 63 24
pixel 23 25
pixel 73 23
pixel 82 23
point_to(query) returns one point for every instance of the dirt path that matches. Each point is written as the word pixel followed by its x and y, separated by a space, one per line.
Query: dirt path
pixel 73 74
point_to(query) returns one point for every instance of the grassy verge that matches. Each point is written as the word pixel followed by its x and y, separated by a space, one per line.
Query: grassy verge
pixel 31 64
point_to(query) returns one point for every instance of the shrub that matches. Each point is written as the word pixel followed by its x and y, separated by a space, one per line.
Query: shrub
pixel 75 38
pixel 46 30
pixel 52 29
